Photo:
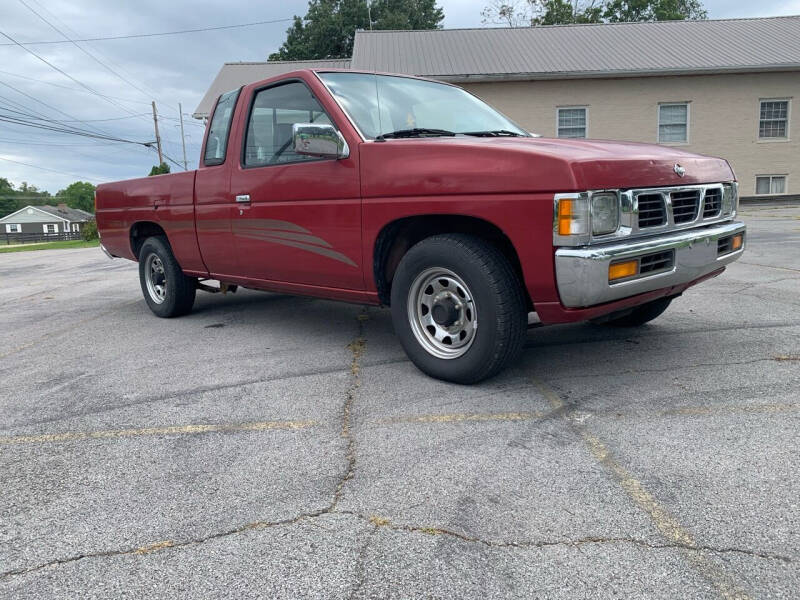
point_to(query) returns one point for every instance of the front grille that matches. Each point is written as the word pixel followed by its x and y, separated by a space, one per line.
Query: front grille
pixel 712 203
pixel 725 245
pixel 652 212
pixel 685 205
pixel 660 261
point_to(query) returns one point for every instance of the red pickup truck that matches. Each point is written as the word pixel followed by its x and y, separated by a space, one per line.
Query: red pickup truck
pixel 414 194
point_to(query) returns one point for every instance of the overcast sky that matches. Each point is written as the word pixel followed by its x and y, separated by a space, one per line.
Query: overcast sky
pixel 169 69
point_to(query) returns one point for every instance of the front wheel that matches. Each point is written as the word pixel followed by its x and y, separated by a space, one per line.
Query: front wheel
pixel 167 291
pixel 458 308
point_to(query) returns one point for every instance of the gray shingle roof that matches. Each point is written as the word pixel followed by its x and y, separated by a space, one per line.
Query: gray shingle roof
pixel 235 75
pixel 70 214
pixel 667 47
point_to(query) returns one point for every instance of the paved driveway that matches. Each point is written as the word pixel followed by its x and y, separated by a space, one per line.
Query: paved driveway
pixel 271 446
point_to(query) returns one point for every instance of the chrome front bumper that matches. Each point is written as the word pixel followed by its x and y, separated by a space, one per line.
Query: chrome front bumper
pixel 582 273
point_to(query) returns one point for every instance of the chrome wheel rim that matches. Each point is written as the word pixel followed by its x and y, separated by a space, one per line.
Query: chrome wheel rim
pixel 155 278
pixel 442 313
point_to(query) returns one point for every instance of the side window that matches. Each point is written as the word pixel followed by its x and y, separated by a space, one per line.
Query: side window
pixel 269 130
pixel 217 141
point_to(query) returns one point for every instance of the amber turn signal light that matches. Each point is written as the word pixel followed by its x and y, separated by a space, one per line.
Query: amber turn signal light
pixel 623 269
pixel 564 216
pixel 736 242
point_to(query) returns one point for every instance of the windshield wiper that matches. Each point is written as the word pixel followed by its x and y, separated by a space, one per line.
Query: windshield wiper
pixel 414 132
pixel 494 133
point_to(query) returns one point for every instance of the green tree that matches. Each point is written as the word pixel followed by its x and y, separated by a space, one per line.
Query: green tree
pixel 516 13
pixel 12 199
pixel 329 27
pixel 78 195
pixel 161 169
pixel 618 11
pixel 8 204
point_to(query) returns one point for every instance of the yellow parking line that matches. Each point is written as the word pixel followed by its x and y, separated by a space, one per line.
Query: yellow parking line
pixel 667 524
pixel 154 547
pixel 172 430
pixel 463 417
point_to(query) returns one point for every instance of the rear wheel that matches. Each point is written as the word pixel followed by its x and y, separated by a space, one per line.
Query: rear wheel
pixel 167 291
pixel 443 288
pixel 642 314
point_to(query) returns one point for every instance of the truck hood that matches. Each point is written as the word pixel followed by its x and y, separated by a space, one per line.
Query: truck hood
pixel 605 163
pixel 471 165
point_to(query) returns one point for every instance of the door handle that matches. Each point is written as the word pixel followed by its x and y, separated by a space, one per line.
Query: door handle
pixel 243 198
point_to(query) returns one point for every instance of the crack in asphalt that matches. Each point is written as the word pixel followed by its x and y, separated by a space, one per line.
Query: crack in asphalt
pixel 381 522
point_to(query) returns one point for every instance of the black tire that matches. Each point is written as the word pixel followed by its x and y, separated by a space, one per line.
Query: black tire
pixel 177 293
pixel 642 314
pixel 496 294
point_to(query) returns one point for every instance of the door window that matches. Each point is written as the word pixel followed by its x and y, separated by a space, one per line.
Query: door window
pixel 217 141
pixel 269 129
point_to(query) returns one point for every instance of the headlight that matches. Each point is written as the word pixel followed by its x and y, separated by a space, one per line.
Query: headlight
pixel 605 213
pixel 730 198
pixel 579 216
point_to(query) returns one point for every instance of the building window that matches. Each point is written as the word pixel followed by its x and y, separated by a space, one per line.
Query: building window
pixel 773 121
pixel 770 184
pixel 673 123
pixel 51 228
pixel 572 122
pixel 13 228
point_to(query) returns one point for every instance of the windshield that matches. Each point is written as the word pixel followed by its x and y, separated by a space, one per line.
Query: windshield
pixel 382 104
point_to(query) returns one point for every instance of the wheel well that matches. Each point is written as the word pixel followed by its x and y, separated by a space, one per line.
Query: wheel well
pixel 397 237
pixel 141 231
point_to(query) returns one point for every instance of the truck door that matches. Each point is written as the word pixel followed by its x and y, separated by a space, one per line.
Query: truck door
pixel 297 218
pixel 213 204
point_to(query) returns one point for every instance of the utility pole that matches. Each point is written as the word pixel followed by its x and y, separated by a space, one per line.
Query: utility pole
pixel 158 137
pixel 183 139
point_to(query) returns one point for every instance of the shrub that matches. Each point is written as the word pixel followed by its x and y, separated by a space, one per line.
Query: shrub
pixel 89 231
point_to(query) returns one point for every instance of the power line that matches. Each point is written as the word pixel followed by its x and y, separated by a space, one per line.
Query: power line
pixel 76 121
pixel 65 74
pixel 86 52
pixel 70 88
pixel 28 118
pixel 53 170
pixel 17 121
pixel 50 106
pixel 150 95
pixel 163 33
pixel 98 144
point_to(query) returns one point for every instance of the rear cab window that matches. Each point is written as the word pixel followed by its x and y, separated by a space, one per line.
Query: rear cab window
pixel 219 130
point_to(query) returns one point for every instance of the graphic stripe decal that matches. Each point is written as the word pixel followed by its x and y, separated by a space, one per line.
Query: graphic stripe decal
pixel 286 233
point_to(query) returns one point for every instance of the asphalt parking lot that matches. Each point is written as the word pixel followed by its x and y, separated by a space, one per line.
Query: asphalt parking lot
pixel 273 446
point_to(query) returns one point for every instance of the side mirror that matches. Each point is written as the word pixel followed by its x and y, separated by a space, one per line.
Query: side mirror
pixel 319 140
